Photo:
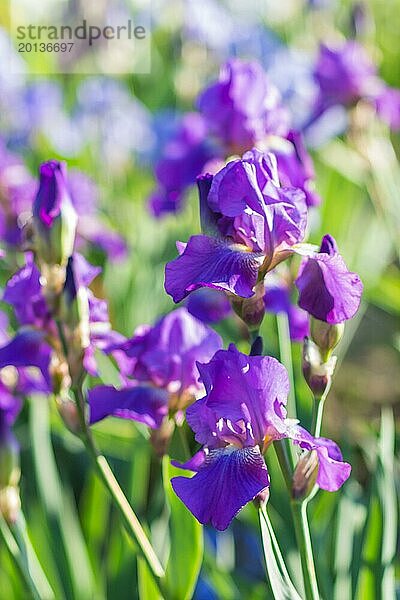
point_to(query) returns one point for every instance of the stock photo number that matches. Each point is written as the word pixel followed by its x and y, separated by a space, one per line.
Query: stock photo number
pixel 45 47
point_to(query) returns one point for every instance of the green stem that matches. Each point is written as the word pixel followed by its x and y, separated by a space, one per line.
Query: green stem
pixel 18 559
pixel 285 462
pixel 318 412
pixel 108 479
pixel 285 353
pixel 105 474
pixel 303 537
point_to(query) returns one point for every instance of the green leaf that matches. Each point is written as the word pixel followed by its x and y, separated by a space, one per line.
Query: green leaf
pixel 147 588
pixel 376 578
pixel 66 537
pixel 278 576
pixel 186 542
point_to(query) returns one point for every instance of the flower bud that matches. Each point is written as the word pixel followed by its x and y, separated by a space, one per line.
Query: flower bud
pixel 69 413
pixel 262 498
pixel 160 438
pixel 54 217
pixel 250 310
pixel 305 475
pixel 74 313
pixel 317 373
pixel 325 335
pixel 10 503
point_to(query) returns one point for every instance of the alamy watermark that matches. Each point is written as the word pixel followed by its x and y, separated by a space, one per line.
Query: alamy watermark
pixel 82 36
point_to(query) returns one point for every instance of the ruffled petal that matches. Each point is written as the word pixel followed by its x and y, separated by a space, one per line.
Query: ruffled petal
pixel 252 389
pixel 208 262
pixel 27 349
pixel 145 404
pixel 327 289
pixel 228 480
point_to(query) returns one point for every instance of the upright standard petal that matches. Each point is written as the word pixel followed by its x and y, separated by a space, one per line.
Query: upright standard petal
pixel 248 389
pixel 227 481
pixel 145 404
pixel 208 262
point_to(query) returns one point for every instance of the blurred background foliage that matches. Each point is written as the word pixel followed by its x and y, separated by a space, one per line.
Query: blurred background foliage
pixel 77 536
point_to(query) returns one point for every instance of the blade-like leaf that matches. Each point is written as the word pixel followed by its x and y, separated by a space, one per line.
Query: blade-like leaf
pixel 186 542
pixel 279 580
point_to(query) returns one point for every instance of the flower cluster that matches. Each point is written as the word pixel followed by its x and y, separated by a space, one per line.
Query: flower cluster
pixel 53 285
pixel 158 368
pixel 238 111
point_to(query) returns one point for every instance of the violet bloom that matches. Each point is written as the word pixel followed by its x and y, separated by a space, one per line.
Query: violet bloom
pixel 183 158
pixel 159 365
pixel 345 74
pixel 277 300
pixel 253 222
pixel 208 305
pixel 242 106
pixel 244 410
pixel 327 289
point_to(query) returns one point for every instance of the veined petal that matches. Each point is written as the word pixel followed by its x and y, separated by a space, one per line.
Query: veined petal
pixel 228 480
pixel 327 289
pixel 208 262
pixel 145 404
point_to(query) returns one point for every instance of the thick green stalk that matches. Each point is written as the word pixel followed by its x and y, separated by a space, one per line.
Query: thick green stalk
pixel 299 513
pixel 128 516
pixel 105 474
pixel 285 353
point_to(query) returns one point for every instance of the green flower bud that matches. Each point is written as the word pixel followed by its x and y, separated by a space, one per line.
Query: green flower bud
pixel 305 475
pixel 326 336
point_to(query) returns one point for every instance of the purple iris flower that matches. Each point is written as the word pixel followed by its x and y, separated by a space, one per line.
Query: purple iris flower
pixel 159 366
pixel 253 224
pixel 208 305
pixel 345 74
pixel 327 289
pixel 183 158
pixel 243 411
pixel 277 299
pixel 242 106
